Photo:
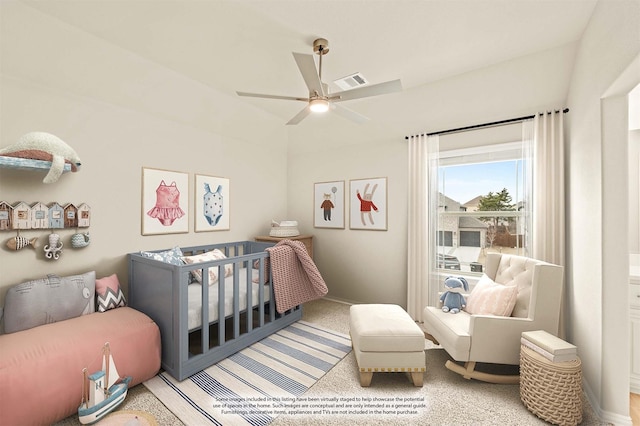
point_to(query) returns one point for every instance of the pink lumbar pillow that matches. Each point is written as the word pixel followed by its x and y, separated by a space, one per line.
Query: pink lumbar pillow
pixel 109 294
pixel 491 298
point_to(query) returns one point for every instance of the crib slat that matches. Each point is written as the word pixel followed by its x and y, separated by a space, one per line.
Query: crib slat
pixel 261 292
pixel 249 293
pixel 221 313
pixel 236 301
pixel 181 327
pixel 272 298
pixel 205 310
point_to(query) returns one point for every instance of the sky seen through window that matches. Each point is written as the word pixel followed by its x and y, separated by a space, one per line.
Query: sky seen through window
pixel 463 183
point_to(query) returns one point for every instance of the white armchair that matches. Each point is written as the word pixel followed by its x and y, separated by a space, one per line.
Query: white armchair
pixel 493 339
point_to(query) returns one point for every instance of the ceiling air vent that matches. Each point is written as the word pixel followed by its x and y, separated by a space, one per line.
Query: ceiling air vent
pixel 351 81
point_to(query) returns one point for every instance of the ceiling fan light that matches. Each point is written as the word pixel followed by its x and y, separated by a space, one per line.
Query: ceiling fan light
pixel 319 105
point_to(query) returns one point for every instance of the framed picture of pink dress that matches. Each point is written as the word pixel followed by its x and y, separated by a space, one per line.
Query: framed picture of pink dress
pixel 211 203
pixel 165 202
pixel 368 204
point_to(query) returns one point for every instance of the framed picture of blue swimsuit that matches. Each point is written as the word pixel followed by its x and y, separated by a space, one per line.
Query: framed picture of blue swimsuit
pixel 211 203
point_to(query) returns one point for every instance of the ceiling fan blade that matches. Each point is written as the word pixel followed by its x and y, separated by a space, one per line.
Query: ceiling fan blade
pixel 349 114
pixel 300 116
pixel 373 90
pixel 258 95
pixel 307 67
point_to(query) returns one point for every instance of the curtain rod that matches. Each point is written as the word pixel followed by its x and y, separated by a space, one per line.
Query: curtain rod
pixel 478 126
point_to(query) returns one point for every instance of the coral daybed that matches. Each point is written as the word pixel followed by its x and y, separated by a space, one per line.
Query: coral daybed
pixel 41 367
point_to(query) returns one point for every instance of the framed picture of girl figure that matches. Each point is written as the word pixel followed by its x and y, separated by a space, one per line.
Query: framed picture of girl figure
pixel 328 205
pixel 165 202
pixel 368 204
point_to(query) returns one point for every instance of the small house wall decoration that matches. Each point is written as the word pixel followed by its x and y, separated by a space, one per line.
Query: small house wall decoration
pixel 70 216
pixel 21 216
pixel 39 216
pixel 56 216
pixel 84 215
pixel 6 212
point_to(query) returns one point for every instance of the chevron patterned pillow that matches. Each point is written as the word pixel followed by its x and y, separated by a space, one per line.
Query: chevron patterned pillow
pixel 108 294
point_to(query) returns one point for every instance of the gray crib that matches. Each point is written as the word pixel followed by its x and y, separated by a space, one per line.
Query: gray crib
pixel 238 313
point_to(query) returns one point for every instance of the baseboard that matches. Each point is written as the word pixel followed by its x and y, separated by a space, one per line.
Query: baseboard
pixel 343 301
pixel 604 416
pixel 617 419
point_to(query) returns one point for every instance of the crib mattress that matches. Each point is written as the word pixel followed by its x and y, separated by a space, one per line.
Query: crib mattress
pixel 194 295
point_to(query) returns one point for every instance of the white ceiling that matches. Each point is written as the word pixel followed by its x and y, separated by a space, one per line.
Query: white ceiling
pixel 246 45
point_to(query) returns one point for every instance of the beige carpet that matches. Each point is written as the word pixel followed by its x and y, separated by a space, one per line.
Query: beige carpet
pixel 128 418
pixel 445 399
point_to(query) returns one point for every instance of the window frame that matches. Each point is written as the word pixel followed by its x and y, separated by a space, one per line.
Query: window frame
pixel 486 153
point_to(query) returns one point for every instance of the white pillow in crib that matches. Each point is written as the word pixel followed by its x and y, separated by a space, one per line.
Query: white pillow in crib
pixel 213 271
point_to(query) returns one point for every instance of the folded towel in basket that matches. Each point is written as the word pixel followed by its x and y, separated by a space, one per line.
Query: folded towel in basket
pixel 296 278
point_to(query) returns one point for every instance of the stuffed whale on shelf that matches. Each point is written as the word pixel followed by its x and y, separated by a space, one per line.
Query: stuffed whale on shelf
pixel 47 147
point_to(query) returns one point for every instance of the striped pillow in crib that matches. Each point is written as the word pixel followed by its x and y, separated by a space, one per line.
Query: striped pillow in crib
pixel 206 257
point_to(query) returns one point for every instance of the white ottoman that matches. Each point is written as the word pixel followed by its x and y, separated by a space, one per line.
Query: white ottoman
pixel 386 339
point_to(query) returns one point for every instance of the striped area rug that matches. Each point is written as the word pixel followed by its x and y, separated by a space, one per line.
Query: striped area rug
pixel 256 384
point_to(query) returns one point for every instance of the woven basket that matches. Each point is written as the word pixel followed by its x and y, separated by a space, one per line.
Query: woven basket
pixel 551 390
pixel 284 231
pixel 286 228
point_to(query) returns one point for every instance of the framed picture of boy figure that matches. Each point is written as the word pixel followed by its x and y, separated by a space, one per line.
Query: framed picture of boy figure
pixel 368 204
pixel 328 205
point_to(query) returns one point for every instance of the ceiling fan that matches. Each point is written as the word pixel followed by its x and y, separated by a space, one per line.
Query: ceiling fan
pixel 319 99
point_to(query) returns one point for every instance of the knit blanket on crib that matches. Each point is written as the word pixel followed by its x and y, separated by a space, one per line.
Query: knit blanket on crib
pixel 296 278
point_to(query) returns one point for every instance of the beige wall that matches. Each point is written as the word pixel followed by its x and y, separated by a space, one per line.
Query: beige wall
pixel 597 298
pixel 634 191
pixel 121 113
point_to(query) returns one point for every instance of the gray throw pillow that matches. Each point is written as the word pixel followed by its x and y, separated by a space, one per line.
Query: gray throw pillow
pixel 48 300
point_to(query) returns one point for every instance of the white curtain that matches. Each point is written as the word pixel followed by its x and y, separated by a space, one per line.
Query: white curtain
pixel 422 151
pixel 548 217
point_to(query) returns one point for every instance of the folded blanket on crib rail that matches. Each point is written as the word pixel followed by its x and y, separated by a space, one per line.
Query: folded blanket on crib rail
pixel 296 278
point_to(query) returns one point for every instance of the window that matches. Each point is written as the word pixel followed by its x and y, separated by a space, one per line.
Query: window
pixel 537 221
pixel 481 193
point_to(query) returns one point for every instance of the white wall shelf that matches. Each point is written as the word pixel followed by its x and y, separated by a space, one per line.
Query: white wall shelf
pixel 28 164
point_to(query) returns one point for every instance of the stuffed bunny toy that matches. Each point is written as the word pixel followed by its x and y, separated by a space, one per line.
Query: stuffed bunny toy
pixel 452 299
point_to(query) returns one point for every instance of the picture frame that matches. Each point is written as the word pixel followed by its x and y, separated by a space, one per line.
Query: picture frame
pixel 368 204
pixel 328 204
pixel 165 202
pixel 212 203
